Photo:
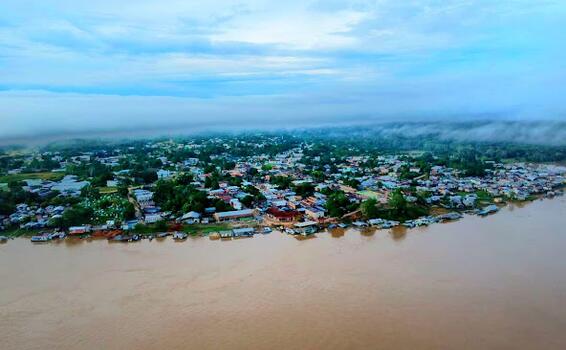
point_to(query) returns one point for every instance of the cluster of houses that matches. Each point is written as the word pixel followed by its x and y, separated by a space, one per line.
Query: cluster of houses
pixel 68 186
pixel 281 206
pixel 442 186
pixel 31 217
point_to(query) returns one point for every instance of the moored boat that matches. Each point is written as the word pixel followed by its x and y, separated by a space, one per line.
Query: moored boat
pixel 490 209
pixel 180 236
pixel 40 239
pixel 307 231
pixel 57 235
pixel 290 231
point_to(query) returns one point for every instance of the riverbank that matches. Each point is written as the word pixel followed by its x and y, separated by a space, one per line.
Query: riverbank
pixel 216 229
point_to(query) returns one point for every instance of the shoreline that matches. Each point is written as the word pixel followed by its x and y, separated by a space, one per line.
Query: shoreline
pixel 335 231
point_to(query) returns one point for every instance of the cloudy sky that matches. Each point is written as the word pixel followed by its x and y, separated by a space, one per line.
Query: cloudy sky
pixel 82 66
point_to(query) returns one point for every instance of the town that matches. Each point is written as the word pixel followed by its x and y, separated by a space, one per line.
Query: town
pixel 228 187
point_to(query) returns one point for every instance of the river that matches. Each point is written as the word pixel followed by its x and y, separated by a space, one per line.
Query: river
pixel 497 282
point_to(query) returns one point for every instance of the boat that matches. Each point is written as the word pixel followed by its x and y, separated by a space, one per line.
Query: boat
pixel 409 224
pixel 243 232
pixel 225 234
pixel 290 231
pixel 389 224
pixel 450 216
pixel 342 225
pixel 3 239
pixel 40 239
pixel 163 234
pixel 360 224
pixel 309 231
pixel 135 238
pixel 180 236
pixel 57 235
pixel 266 230
pixel 120 238
pixel 375 222
pixel 332 226
pixel 490 209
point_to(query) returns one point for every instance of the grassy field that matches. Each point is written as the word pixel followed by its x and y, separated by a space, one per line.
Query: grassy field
pixel 370 194
pixel 17 232
pixel 108 190
pixel 204 228
pixel 193 230
pixel 32 176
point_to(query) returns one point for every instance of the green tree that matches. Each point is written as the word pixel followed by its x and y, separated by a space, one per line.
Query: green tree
pixel 282 182
pixel 304 189
pixel 161 225
pixel 247 201
pixel 90 192
pixel 369 208
pixel 184 179
pixel 77 215
pixel 398 203
pixel 354 183
pixel 129 211
pixel 338 204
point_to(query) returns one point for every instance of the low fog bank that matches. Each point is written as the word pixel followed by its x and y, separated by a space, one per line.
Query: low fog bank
pixel 551 133
pixel 534 132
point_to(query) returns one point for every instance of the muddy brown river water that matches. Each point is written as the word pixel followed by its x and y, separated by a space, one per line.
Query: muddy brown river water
pixel 480 283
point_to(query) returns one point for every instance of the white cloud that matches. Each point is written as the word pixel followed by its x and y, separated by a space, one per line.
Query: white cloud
pixel 369 57
pixel 302 30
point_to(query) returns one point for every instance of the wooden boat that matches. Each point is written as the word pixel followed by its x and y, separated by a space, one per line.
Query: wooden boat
pixel 40 239
pixel 180 236
pixel 57 235
pixel 290 231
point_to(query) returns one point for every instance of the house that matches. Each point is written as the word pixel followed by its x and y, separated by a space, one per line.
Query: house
pixel 191 217
pixel 70 185
pixel 152 218
pixel 279 203
pixel 209 211
pixel 111 183
pixel 315 213
pixel 143 195
pixel 469 200
pixel 164 174
pixel 278 215
pixel 235 203
pixel 234 215
pixel 129 225
pixel 456 201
